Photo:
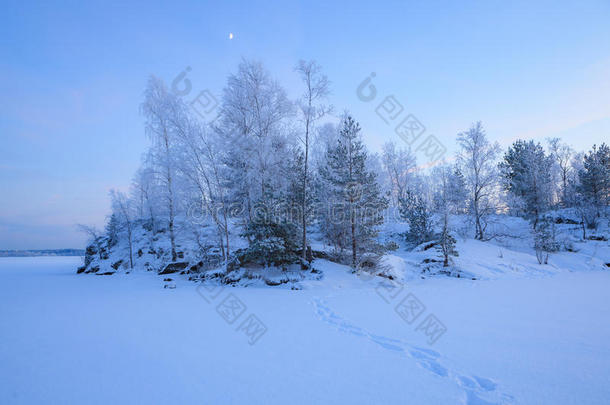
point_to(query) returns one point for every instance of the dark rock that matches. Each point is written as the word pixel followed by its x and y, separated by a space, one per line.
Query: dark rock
pixel 91 250
pixel 168 279
pixel 561 220
pixel 318 254
pixel 196 267
pixel 140 253
pixel 429 246
pixel 90 253
pixel 174 267
pixel 116 265
pixel 107 273
pixel 81 269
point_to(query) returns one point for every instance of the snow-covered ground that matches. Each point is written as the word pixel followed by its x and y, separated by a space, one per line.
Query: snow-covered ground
pixel 515 335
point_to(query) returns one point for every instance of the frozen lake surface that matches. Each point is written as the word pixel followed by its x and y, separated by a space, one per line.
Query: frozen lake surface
pixel 76 339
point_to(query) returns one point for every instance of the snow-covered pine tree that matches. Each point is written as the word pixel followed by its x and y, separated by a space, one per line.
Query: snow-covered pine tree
pixel 112 230
pixel 355 205
pixel 446 244
pixel 414 209
pixel 595 177
pixel 458 191
pixel 527 175
pixel 273 242
pixel 300 206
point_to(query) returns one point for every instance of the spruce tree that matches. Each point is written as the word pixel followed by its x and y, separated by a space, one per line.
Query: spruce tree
pixel 414 209
pixel 112 230
pixel 527 176
pixel 355 204
pixel 446 245
pixel 595 177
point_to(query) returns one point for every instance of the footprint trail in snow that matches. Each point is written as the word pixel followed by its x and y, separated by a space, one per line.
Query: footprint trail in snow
pixel 477 390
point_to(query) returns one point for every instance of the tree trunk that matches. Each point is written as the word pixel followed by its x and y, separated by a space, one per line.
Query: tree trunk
pixel 170 192
pixel 353 220
pixel 304 203
pixel 172 237
pixel 130 253
pixel 479 228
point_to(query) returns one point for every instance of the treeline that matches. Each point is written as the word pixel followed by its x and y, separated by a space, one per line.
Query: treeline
pixel 42 252
pixel 269 169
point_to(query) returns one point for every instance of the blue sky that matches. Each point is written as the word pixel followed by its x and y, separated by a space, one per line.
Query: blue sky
pixel 72 76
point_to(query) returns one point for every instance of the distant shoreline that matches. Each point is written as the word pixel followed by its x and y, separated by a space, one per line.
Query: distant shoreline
pixel 42 252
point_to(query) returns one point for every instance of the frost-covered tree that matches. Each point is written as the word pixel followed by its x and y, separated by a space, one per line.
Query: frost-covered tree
pixel 561 154
pixel 272 242
pixel 256 150
pixel 545 241
pixel 477 160
pixel 122 207
pixel 95 238
pixel 446 242
pixel 143 191
pixel 595 177
pixel 526 173
pixel 400 166
pixel 253 126
pixel 355 205
pixel 311 110
pixel 449 189
pixel 112 230
pixel 158 108
pixel 416 211
pixel 447 198
pixel 296 195
pixel 577 198
pixel 202 167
